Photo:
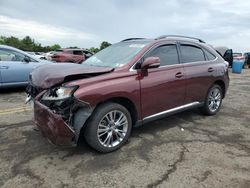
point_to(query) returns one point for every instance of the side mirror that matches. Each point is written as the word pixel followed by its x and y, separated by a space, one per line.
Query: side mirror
pixel 151 62
pixel 26 60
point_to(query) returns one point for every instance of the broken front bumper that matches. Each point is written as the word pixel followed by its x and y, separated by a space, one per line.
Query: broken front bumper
pixel 52 125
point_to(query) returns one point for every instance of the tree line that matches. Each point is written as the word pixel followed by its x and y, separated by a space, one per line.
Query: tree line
pixel 29 44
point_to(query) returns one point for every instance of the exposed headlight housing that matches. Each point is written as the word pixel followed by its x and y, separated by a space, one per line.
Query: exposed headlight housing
pixel 58 93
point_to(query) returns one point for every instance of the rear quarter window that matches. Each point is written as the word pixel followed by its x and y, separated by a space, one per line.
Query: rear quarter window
pixel 77 52
pixel 67 51
pixel 209 55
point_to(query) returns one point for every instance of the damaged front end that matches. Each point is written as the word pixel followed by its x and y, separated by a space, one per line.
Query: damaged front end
pixel 59 115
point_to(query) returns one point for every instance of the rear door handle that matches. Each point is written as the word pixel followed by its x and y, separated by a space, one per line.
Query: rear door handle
pixel 210 69
pixel 4 67
pixel 179 75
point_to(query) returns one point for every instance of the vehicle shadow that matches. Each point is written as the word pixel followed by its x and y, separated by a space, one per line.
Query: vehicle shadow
pixel 12 90
pixel 167 122
pixel 151 128
pixel 38 145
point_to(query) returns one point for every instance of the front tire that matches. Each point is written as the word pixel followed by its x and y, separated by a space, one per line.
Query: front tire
pixel 108 128
pixel 213 100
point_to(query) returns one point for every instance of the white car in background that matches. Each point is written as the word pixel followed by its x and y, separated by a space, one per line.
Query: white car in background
pixel 48 55
pixel 38 55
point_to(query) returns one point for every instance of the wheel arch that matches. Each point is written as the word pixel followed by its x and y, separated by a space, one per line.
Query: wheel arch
pixel 222 85
pixel 127 103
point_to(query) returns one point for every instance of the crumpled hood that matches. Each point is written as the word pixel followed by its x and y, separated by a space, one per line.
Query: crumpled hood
pixel 49 75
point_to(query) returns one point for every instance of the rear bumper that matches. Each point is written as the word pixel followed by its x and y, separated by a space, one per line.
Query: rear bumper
pixel 53 126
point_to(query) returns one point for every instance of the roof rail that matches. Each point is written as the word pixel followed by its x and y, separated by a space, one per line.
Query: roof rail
pixel 180 36
pixel 132 39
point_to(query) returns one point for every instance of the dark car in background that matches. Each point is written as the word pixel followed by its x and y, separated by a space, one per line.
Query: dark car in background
pixel 125 85
pixel 226 53
pixel 247 58
pixel 71 55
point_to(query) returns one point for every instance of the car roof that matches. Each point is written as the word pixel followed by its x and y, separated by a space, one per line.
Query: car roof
pixel 9 47
pixel 17 50
pixel 190 40
pixel 72 49
pixel 166 38
pixel 176 38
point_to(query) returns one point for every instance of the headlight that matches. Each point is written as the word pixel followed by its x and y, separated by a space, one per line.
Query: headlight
pixel 59 93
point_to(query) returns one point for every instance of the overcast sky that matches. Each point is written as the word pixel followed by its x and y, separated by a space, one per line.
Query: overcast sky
pixel 86 23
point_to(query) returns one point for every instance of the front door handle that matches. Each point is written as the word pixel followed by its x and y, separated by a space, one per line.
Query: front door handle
pixel 179 75
pixel 4 67
pixel 210 69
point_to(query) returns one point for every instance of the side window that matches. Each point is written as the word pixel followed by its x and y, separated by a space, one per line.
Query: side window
pixel 77 52
pixel 5 56
pixel 168 54
pixel 191 53
pixel 9 55
pixel 87 54
pixel 68 51
pixel 209 55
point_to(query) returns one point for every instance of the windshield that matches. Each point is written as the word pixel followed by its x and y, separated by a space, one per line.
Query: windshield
pixel 116 55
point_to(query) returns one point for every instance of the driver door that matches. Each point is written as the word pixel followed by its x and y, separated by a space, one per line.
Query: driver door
pixel 164 87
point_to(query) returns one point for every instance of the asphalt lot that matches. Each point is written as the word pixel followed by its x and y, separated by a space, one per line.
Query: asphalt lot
pixel 210 152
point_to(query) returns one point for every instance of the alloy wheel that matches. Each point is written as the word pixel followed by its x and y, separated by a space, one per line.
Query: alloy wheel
pixel 214 100
pixel 112 128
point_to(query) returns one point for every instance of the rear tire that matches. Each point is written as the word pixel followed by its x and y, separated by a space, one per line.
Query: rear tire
pixel 108 128
pixel 213 100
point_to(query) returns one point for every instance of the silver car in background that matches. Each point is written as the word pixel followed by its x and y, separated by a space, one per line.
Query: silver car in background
pixel 15 66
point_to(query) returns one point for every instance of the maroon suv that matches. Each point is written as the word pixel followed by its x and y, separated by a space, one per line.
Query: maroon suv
pixel 125 85
pixel 71 55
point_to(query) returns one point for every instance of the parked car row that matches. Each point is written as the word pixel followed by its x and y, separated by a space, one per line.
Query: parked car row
pixel 73 55
pixel 39 55
pixel 16 65
pixel 125 85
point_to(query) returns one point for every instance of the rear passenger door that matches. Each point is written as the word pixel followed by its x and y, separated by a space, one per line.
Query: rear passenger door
pixel 200 69
pixel 164 87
